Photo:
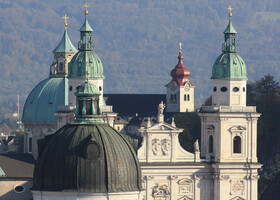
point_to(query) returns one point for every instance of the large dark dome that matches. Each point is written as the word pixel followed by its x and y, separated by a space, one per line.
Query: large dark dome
pixel 87 158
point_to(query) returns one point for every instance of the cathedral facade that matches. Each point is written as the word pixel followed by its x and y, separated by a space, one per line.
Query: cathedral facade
pixel 70 102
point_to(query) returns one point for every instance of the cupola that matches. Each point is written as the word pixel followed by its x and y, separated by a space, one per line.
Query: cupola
pixel 229 65
pixel 180 73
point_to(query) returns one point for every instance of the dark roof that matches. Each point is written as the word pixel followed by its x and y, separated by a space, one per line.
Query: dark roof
pixel 17 165
pixel 91 158
pixel 272 192
pixel 134 103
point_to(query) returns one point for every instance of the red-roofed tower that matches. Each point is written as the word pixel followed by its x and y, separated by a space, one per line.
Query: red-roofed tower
pixel 180 91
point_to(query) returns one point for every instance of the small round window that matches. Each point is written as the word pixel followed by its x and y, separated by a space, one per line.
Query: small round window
pixel 92 151
pixel 235 89
pixel 244 89
pixel 215 89
pixel 223 89
pixel 19 189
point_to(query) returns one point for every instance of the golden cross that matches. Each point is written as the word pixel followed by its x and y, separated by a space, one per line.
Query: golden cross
pixel 87 73
pixel 65 22
pixel 230 9
pixel 180 47
pixel 86 6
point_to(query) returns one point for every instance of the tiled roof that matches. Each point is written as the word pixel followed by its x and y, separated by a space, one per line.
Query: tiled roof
pixel 17 165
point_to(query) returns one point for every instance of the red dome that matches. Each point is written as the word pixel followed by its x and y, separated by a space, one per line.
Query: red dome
pixel 180 73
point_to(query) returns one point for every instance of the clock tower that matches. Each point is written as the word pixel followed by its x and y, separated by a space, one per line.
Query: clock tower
pixel 180 91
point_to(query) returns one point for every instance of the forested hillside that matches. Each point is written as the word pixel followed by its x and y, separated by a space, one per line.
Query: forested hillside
pixel 136 40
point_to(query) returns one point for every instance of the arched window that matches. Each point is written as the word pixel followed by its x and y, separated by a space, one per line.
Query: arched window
pixel 185 97
pixel 61 66
pixel 188 97
pixel 210 150
pixel 237 144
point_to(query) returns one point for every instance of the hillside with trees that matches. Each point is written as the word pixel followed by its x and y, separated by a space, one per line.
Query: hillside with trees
pixel 136 40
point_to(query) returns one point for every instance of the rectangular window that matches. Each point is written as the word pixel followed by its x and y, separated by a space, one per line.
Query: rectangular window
pixel 30 144
pixel 89 107
pixel 81 107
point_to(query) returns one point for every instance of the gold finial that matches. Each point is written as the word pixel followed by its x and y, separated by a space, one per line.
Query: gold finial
pixel 65 22
pixel 87 73
pixel 230 9
pixel 180 47
pixel 86 6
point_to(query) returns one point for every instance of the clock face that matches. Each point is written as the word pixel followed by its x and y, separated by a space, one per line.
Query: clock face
pixel 187 87
pixel 173 88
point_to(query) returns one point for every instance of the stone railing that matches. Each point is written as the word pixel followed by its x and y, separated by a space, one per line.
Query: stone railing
pixel 228 109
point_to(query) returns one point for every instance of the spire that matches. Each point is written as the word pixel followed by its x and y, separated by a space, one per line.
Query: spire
pixel 180 73
pixel 86 42
pixel 229 44
pixel 65 44
pixel 86 27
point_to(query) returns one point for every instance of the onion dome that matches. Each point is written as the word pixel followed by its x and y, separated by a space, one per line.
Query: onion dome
pixel 87 156
pixel 229 65
pixel 180 73
pixel 86 60
pixel 45 99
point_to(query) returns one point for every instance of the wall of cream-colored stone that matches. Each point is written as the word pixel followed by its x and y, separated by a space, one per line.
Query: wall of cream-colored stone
pixel 7 189
pixel 186 105
pixel 230 97
pixel 224 127
pixel 184 182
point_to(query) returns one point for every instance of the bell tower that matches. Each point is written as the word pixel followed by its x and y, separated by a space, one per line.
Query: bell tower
pixel 180 91
pixel 63 54
pixel 229 127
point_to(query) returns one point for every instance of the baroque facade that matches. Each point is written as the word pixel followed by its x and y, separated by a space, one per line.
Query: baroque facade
pixel 226 167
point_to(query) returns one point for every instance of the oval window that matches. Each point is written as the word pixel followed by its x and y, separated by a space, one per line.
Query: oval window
pixel 215 89
pixel 223 89
pixel 92 151
pixel 19 189
pixel 235 89
pixel 244 89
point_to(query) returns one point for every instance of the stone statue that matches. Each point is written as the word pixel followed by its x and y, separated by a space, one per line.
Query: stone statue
pixel 196 146
pixel 161 107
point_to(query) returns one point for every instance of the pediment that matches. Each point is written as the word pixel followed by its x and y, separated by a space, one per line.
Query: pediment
pixel 185 198
pixel 237 198
pixel 48 130
pixel 237 128
pixel 28 130
pixel 185 181
pixel 162 126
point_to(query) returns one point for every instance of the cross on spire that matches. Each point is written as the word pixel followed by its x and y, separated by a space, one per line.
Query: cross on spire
pixel 65 22
pixel 230 9
pixel 180 47
pixel 86 6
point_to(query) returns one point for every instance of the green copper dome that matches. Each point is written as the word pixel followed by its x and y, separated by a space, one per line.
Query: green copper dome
pixel 86 158
pixel 229 65
pixel 65 45
pixel 85 60
pixel 45 99
pixel 87 155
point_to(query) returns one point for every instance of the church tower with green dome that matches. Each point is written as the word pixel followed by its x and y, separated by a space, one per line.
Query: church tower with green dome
pixel 63 54
pixel 47 96
pixel 86 60
pixel 229 127
pixel 229 74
